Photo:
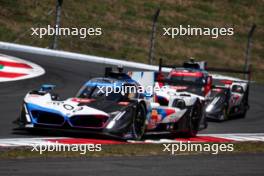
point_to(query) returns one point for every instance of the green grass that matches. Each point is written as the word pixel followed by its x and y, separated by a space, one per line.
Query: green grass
pixel 127 25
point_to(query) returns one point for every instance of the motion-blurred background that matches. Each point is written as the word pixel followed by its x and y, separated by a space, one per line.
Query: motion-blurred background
pixel 127 25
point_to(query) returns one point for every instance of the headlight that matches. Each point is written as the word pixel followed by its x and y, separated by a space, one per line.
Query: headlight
pixel 113 114
pixel 211 105
pixel 117 115
pixel 111 124
pixel 209 108
pixel 26 113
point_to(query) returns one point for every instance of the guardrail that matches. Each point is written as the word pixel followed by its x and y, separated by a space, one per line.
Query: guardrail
pixel 4 46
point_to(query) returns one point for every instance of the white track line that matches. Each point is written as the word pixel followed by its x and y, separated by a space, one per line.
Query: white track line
pixel 239 137
pixel 26 141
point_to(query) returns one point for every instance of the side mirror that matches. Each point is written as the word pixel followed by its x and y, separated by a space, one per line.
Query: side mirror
pixel 148 95
pixel 108 70
pixel 178 103
pixel 237 89
pixel 47 87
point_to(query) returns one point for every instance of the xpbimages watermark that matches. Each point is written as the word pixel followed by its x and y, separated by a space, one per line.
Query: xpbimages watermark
pixel 57 147
pixel 63 31
pixel 188 30
pixel 197 147
pixel 124 89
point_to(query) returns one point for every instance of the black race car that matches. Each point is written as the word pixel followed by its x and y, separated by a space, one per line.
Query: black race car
pixel 228 98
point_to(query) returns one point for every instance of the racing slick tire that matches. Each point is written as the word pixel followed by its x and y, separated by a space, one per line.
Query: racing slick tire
pixel 203 123
pixel 194 119
pixel 245 108
pixel 138 124
pixel 244 114
pixel 224 115
pixel 21 120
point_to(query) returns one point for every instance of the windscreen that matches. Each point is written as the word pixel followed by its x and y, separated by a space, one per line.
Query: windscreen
pixel 184 79
pixel 110 93
pixel 94 92
pixel 193 83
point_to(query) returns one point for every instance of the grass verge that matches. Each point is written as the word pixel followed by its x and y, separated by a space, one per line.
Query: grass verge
pixel 127 27
pixel 125 150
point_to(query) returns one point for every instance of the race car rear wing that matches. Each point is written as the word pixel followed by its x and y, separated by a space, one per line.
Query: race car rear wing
pixel 188 64
pixel 203 66
pixel 167 66
pixel 247 73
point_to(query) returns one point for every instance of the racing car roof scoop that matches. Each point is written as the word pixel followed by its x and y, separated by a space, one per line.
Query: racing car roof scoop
pixel 108 70
pixel 116 74
pixel 120 68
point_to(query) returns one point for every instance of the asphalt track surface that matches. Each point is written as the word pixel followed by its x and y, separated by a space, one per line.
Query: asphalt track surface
pixel 69 75
pixel 203 165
